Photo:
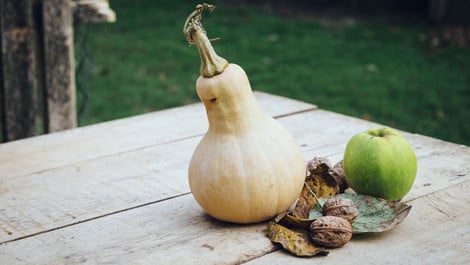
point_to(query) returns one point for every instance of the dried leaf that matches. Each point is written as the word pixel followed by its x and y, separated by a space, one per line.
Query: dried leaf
pixel 323 184
pixel 292 222
pixel 375 214
pixel 296 242
pixel 323 181
pixel 305 203
pixel 337 172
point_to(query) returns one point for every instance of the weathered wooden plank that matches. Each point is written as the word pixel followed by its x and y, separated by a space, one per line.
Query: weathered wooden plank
pixel 59 69
pixel 113 183
pixel 436 231
pixel 83 191
pixel 61 196
pixel 176 231
pixel 52 150
pixel 93 11
pixel 17 70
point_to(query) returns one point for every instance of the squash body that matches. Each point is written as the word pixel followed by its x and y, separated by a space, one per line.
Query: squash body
pixel 247 167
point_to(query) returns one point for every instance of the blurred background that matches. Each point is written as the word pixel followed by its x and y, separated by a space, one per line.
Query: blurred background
pixel 405 64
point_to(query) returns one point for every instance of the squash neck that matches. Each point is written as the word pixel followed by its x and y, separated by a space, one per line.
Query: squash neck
pixel 230 118
pixel 234 115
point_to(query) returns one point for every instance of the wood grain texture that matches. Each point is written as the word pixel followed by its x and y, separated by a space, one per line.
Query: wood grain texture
pixel 59 68
pixel 90 142
pixel 97 187
pixel 123 197
pixel 176 231
pixel 93 11
pixel 436 231
pixel 17 70
pixel 136 165
pixel 173 231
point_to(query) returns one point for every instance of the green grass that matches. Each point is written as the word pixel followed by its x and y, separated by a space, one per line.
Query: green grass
pixel 369 69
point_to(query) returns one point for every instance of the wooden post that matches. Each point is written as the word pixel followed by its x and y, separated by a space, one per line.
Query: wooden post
pixel 59 70
pixel 37 68
pixel 17 69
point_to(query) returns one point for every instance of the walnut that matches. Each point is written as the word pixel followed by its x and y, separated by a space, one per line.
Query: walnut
pixel 341 207
pixel 330 231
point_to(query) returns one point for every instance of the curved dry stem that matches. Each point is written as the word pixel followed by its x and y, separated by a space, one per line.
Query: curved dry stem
pixel 194 21
pixel 211 63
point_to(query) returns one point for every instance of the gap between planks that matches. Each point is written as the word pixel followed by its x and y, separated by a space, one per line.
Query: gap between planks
pixel 151 146
pixel 426 146
pixel 199 239
pixel 94 218
pixel 131 133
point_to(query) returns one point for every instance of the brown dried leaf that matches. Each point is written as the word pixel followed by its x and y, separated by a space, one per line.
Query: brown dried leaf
pixel 323 181
pixel 337 172
pixel 296 242
pixel 305 203
pixel 292 222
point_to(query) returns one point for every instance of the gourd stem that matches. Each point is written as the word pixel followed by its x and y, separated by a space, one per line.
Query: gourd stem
pixel 211 63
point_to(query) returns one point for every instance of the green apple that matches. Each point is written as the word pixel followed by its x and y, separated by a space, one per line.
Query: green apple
pixel 380 162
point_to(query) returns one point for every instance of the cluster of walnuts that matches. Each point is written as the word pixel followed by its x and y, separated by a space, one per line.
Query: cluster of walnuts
pixel 334 229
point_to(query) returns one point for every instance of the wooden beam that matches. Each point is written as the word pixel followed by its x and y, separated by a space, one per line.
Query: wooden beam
pixel 17 70
pixel 59 67
pixel 93 11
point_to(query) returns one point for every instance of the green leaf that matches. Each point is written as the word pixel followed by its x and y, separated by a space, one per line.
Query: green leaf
pixel 317 211
pixel 375 214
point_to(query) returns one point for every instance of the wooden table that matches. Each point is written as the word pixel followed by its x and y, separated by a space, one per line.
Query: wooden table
pixel 117 193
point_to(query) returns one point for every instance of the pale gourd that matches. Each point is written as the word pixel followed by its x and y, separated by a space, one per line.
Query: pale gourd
pixel 247 167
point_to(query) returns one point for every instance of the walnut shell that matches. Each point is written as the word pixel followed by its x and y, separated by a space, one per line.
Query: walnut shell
pixel 341 207
pixel 330 231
